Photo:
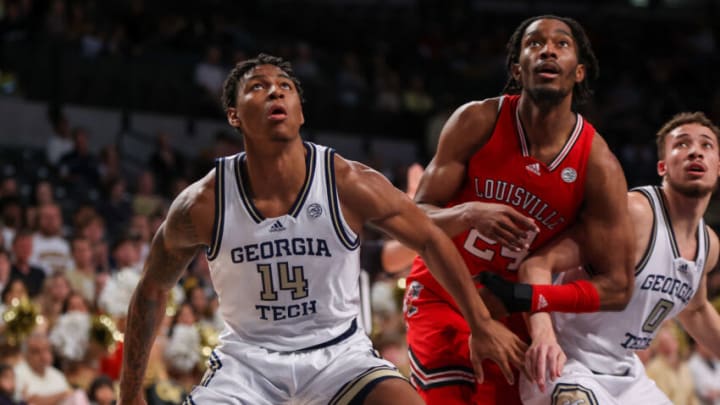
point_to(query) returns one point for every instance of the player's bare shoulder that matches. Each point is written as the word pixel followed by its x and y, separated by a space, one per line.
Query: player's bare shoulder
pixel 191 215
pixel 364 193
pixel 469 128
pixel 643 220
pixel 713 250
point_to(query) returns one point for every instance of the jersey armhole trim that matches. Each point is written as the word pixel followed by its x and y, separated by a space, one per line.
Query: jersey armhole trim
pixel 334 203
pixel 219 220
pixel 640 266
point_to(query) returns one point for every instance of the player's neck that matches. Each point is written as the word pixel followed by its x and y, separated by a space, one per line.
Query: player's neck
pixel 546 124
pixel 685 212
pixel 276 170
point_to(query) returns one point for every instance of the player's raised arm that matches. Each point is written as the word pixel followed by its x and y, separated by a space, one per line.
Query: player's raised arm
pixel 465 132
pixel 367 196
pixel 184 233
pixel 699 318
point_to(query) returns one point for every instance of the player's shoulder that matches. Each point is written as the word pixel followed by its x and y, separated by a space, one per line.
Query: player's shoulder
pixel 193 210
pixel 639 206
pixel 478 111
pixel 353 174
pixel 713 249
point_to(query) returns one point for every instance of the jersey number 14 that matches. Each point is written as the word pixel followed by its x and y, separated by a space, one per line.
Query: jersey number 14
pixel 288 278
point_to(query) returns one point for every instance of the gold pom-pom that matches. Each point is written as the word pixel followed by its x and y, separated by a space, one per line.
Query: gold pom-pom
pixel 208 340
pixel 21 318
pixel 104 332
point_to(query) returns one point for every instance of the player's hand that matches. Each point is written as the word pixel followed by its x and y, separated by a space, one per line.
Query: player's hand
pixel 497 343
pixel 501 223
pixel 544 358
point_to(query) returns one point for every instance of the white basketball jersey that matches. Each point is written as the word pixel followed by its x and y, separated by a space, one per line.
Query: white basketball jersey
pixel 664 283
pixel 290 282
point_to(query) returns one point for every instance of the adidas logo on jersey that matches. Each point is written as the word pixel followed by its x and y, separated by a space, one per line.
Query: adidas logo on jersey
pixel 542 302
pixel 533 168
pixel 277 226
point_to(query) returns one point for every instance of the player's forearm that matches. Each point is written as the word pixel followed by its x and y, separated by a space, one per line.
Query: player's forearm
pixel 446 265
pixel 703 325
pixel 145 313
pixel 539 323
pixel 451 220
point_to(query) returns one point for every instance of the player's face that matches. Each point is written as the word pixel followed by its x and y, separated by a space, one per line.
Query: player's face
pixel 548 66
pixel 691 160
pixel 267 105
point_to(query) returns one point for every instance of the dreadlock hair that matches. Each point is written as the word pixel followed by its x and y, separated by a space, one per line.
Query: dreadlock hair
pixel 586 56
pixel 230 86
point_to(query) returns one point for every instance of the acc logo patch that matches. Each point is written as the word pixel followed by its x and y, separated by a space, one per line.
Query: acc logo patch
pixel 572 394
pixel 314 210
pixel 568 175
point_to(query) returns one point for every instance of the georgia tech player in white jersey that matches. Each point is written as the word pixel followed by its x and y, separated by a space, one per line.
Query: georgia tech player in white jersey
pixel 675 250
pixel 273 276
pixel 280 226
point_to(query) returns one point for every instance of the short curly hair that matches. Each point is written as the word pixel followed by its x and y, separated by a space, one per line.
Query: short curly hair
pixel 230 86
pixel 679 120
pixel 586 56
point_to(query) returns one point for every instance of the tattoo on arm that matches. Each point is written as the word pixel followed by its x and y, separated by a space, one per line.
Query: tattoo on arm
pixel 163 268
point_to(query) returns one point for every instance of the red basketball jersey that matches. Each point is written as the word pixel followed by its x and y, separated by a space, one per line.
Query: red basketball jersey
pixel 502 171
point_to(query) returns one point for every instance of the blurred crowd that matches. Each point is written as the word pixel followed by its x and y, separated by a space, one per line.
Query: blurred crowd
pixel 76 223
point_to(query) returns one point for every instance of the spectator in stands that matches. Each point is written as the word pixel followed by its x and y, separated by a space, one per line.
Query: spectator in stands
pixel 125 255
pixel 705 370
pixel 79 167
pixel 210 74
pixel 4 267
pixel 55 291
pixel 146 201
pixel 36 379
pixel 60 141
pixel 81 274
pixel 31 276
pixel 92 228
pixel 51 250
pixel 139 232
pixel 668 368
pixel 102 391
pixel 12 217
pixel 7 385
pixel 166 163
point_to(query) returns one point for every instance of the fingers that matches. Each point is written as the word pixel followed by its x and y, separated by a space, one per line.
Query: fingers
pixel 540 367
pixel 525 223
pixel 561 360
pixel 507 371
pixel 476 362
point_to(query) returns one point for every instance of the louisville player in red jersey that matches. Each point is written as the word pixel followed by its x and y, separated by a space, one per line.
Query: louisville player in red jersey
pixel 509 174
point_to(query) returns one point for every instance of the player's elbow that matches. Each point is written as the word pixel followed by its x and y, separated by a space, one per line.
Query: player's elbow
pixel 618 292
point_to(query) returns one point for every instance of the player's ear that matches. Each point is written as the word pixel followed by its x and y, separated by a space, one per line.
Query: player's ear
pixel 516 70
pixel 232 117
pixel 661 168
pixel 579 73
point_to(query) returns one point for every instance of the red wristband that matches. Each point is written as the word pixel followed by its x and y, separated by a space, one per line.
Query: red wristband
pixel 577 296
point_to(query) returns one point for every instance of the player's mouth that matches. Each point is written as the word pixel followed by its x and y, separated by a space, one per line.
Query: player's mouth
pixel 548 70
pixel 277 113
pixel 696 169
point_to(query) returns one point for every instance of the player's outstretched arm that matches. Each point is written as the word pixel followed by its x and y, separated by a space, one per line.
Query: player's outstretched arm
pixel 699 318
pixel 366 196
pixel 469 127
pixel 185 231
